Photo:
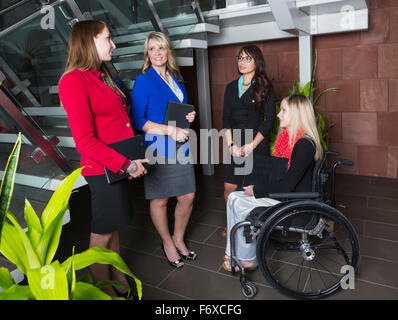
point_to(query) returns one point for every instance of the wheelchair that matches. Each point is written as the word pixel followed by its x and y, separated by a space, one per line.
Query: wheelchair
pixel 303 242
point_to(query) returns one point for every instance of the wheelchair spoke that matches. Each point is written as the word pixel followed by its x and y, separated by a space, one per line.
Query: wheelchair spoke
pixel 326 269
pixel 308 278
pixel 301 270
pixel 285 262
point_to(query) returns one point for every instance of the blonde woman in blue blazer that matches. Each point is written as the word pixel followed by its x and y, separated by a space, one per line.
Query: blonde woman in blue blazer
pixel 159 83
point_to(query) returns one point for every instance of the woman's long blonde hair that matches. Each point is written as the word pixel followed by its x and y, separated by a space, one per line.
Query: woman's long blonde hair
pixel 302 120
pixel 163 41
pixel 82 52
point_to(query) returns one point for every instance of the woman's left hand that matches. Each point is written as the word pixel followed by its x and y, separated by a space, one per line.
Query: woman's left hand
pixel 191 116
pixel 249 190
pixel 246 149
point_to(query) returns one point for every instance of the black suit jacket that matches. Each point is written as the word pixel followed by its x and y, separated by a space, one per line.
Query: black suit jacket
pixel 241 114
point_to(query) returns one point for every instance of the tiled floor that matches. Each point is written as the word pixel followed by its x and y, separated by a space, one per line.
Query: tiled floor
pixel 372 208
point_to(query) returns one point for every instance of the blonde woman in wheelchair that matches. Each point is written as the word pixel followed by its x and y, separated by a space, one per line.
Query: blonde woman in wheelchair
pixel 298 141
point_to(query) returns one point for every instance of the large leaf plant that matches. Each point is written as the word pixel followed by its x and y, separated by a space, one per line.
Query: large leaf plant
pixel 308 90
pixel 33 251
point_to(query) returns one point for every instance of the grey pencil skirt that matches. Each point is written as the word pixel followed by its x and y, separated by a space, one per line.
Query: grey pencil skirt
pixel 167 179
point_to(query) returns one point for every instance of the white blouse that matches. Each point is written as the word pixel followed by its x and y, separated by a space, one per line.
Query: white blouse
pixel 173 86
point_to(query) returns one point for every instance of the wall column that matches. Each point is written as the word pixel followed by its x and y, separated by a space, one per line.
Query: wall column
pixel 202 71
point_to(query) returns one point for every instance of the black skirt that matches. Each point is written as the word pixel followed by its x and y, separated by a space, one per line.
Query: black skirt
pixel 111 204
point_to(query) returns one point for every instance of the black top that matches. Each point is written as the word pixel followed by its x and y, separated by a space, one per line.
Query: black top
pixel 241 114
pixel 298 178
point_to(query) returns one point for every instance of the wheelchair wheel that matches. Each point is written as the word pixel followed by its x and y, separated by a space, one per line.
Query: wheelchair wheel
pixel 302 248
pixel 250 290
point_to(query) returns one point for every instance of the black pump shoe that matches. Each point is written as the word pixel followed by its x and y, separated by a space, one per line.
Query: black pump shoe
pixel 190 256
pixel 176 263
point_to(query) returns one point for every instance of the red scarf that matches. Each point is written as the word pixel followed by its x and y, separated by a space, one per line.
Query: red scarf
pixel 282 147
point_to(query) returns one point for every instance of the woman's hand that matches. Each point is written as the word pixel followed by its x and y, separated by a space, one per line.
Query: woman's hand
pixel 235 151
pixel 191 116
pixel 246 149
pixel 139 169
pixel 249 190
pixel 179 135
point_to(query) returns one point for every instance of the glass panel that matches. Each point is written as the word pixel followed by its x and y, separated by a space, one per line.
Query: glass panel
pixel 33 58
pixel 130 24
pixel 32 175
pixel 207 5
pixel 175 13
pixel 250 3
pixel 12 11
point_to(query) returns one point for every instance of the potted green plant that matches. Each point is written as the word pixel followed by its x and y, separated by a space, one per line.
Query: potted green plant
pixel 33 251
pixel 308 90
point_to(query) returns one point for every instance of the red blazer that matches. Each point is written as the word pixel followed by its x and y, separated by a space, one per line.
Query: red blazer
pixel 97 118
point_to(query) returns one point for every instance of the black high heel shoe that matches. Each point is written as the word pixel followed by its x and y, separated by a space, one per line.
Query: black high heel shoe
pixel 176 263
pixel 190 256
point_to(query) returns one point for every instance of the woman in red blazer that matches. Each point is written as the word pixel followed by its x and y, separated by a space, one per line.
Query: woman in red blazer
pixel 97 115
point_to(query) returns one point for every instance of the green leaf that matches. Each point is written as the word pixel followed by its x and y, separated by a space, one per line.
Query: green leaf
pixel 6 279
pixel 59 200
pixel 7 184
pixel 87 278
pixel 32 259
pixel 71 276
pixel 35 229
pixel 49 282
pixel 12 247
pixel 307 89
pixel 50 240
pixel 86 291
pixel 17 292
pixel 103 256
pixel 314 65
pixel 322 93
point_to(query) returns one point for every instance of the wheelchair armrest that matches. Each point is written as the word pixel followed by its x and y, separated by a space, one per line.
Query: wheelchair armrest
pixel 295 195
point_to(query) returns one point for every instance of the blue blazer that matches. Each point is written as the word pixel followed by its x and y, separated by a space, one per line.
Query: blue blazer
pixel 149 100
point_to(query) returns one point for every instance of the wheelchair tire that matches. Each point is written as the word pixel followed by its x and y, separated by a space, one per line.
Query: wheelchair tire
pixel 304 266
pixel 250 290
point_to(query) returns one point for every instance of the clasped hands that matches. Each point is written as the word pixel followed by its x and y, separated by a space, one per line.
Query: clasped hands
pixel 139 169
pixel 242 151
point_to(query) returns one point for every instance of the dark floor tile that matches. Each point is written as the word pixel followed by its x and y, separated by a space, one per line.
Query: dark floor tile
pixel 140 240
pixel 365 291
pixel 379 271
pixel 199 284
pixel 212 217
pixel 149 269
pixel 155 293
pixel 199 232
pixel 216 239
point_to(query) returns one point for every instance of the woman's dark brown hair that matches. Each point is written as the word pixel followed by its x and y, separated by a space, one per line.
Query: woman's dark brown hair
pixel 262 85
pixel 82 52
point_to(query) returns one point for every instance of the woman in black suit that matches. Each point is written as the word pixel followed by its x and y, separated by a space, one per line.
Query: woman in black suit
pixel 249 103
